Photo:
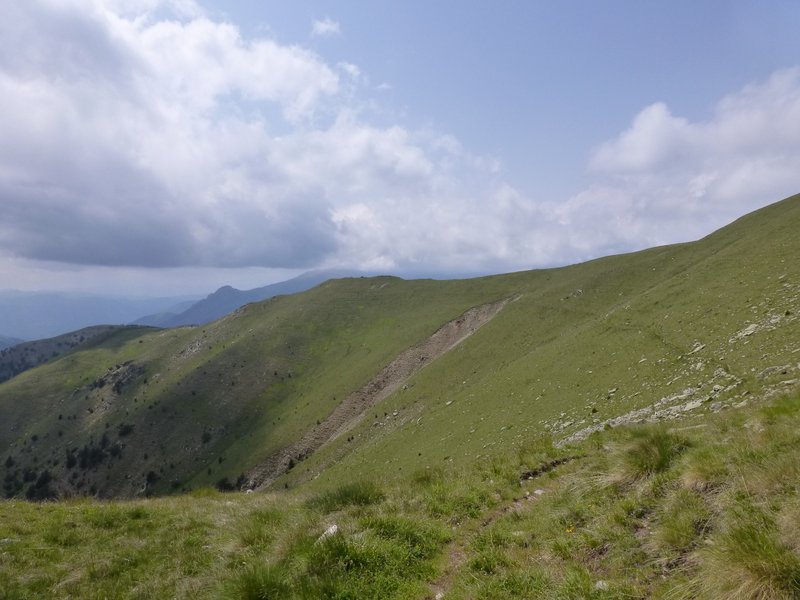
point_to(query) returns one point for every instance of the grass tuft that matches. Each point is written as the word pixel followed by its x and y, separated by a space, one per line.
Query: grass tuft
pixel 360 493
pixel 704 468
pixel 259 582
pixel 420 540
pixel 650 451
pixel 748 560
pixel 682 521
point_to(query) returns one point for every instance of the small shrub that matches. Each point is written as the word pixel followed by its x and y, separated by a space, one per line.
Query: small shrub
pixel 224 485
pixel 90 456
pixel 40 489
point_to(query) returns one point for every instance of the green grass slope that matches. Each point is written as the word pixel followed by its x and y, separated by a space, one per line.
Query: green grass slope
pixel 159 411
pixel 706 508
pixel 654 335
pixel 21 356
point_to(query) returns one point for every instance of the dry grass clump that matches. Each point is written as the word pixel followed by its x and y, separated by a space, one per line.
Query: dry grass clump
pixel 748 560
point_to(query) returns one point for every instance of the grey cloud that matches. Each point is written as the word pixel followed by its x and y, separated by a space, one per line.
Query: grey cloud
pixel 153 143
pixel 141 226
pixel 60 42
pixel 54 225
pixel 101 164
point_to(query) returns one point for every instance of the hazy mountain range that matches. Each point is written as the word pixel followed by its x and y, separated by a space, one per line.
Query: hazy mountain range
pixel 37 315
pixel 227 299
pixel 7 342
pixel 40 315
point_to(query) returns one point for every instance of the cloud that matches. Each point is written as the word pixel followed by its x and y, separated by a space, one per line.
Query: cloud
pixel 352 70
pixel 654 137
pixel 143 134
pixel 161 138
pixel 139 141
pixel 668 179
pixel 326 27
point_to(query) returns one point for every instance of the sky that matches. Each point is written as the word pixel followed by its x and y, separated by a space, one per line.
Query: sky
pixel 168 147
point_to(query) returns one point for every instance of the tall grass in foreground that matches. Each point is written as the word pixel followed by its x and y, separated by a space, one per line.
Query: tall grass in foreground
pixel 709 510
pixel 748 559
pixel 706 509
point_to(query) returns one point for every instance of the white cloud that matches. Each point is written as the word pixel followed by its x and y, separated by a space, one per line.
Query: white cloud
pixel 655 136
pixel 132 139
pixel 156 137
pixel 352 70
pixel 668 179
pixel 325 27
pixel 139 141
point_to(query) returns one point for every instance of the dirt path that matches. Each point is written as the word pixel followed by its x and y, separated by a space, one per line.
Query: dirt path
pixel 350 411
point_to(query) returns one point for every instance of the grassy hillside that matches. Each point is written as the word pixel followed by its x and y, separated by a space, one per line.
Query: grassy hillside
pixel 706 508
pixel 654 335
pixel 22 356
pixel 689 326
pixel 162 411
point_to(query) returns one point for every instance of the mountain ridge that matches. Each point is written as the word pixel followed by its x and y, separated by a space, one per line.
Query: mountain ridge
pixel 7 342
pixel 581 346
pixel 23 356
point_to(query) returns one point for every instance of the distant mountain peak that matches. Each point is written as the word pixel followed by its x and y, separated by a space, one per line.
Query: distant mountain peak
pixel 228 298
